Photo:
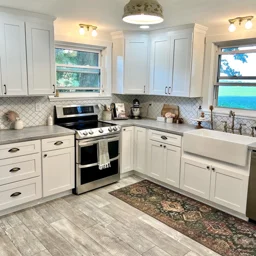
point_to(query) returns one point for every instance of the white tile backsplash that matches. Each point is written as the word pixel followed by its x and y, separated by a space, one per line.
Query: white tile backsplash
pixel 26 107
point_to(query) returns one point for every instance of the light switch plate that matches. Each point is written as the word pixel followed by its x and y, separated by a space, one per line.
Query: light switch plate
pixel 38 106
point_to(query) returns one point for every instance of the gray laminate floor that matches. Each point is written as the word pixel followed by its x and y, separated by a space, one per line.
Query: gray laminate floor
pixel 93 224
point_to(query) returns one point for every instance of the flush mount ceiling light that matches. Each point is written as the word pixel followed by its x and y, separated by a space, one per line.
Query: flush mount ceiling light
pixel 143 12
pixel 248 24
pixel 86 26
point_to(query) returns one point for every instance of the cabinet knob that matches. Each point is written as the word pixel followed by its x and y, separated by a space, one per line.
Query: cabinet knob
pixel 161 145
pixel 208 167
pixel 45 155
pixel 213 169
pixel 164 146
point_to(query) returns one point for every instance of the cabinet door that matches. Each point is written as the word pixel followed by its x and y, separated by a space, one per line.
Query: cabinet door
pixel 58 171
pixel 172 165
pixel 195 178
pixel 229 189
pixel 160 66
pixel 127 149
pixel 40 59
pixel 181 64
pixel 13 58
pixel 140 144
pixel 136 66
pixel 156 159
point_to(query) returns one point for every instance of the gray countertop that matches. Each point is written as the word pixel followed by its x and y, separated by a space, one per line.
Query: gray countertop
pixel 178 129
pixel 252 146
pixel 33 133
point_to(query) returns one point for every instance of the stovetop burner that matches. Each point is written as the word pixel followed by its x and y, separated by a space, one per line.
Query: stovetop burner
pixel 85 122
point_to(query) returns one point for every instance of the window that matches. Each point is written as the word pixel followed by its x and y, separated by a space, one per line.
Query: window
pixel 78 70
pixel 236 77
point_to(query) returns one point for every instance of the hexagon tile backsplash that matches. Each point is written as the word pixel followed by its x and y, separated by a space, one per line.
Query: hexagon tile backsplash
pixel 26 107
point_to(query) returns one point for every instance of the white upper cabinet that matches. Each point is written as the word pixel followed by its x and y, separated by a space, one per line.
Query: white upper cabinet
pixel 181 57
pixel 130 63
pixel 160 65
pixel 40 59
pixel 13 57
pixel 27 64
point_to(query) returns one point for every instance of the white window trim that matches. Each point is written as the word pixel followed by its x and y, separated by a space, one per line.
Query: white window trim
pixel 105 59
pixel 210 69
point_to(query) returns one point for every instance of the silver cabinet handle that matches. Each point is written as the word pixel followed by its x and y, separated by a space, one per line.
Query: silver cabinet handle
pixel 13 150
pixel 54 90
pixel 15 194
pixel 166 88
pixel 144 88
pixel 169 90
pixel 5 89
pixel 58 143
pixel 16 169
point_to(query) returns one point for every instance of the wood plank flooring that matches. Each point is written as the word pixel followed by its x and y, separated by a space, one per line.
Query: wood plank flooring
pixel 92 224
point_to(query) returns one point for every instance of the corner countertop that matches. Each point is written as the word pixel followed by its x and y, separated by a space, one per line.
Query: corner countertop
pixel 252 146
pixel 33 133
pixel 178 129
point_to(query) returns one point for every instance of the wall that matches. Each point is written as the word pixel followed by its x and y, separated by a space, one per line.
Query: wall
pixel 26 108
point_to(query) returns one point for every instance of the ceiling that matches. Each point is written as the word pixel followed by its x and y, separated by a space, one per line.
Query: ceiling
pixel 107 14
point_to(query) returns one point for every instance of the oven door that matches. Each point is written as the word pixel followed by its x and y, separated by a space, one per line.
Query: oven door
pixel 87 172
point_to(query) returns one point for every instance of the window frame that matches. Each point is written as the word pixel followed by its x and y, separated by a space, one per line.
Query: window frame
pixel 84 48
pixel 217 76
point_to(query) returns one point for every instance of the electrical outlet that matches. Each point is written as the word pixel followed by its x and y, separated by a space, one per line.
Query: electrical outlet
pixel 38 106
pixel 150 104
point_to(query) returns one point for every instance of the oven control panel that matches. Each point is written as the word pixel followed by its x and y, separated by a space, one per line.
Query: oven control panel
pixel 96 132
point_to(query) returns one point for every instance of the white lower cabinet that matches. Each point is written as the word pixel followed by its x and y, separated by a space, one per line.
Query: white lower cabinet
pixel 195 177
pixel 172 168
pixel 156 165
pixel 127 149
pixel 140 148
pixel 21 192
pixel 221 185
pixel 58 171
pixel 229 189
pixel 164 162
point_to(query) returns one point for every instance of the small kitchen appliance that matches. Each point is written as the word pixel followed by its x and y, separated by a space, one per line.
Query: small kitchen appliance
pixel 135 109
pixel 118 111
pixel 89 134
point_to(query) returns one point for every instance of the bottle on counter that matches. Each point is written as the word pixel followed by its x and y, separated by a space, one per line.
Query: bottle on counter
pixel 50 121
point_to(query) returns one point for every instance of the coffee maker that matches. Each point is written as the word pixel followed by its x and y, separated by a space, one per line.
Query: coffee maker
pixel 135 109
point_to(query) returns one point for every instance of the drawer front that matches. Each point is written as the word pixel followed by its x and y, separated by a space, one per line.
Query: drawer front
pixel 19 149
pixel 58 143
pixel 20 192
pixel 164 137
pixel 20 168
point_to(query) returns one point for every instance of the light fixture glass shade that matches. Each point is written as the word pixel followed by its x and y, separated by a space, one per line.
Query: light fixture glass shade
pixel 143 12
pixel 248 24
pixel 94 33
pixel 232 27
pixel 81 31
pixel 144 27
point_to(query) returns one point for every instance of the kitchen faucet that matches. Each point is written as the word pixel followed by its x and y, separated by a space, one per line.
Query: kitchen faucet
pixel 232 128
pixel 233 115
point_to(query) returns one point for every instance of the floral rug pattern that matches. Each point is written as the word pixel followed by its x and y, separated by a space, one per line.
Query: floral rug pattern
pixel 219 231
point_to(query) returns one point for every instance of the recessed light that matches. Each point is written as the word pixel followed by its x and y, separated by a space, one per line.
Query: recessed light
pixel 144 27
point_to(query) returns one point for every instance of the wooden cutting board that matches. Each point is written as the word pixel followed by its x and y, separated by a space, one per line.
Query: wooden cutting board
pixel 174 109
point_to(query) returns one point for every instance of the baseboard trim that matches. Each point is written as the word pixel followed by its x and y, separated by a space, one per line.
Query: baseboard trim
pixel 34 203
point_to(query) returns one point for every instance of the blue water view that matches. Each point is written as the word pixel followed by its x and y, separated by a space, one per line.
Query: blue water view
pixel 244 102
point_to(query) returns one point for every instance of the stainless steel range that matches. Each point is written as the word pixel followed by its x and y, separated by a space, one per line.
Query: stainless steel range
pixel 89 133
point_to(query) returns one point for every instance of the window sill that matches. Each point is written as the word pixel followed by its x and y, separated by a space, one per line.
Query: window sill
pixel 240 113
pixel 79 97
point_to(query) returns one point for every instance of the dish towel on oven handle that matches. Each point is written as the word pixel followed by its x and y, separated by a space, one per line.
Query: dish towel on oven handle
pixel 104 161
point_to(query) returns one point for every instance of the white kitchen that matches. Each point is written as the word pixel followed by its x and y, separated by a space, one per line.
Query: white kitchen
pixel 127 127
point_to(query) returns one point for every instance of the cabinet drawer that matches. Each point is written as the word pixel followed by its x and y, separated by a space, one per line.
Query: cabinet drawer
pixel 19 149
pixel 164 137
pixel 58 143
pixel 20 168
pixel 20 192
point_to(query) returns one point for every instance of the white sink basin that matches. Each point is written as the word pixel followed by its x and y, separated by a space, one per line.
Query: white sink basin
pixel 230 148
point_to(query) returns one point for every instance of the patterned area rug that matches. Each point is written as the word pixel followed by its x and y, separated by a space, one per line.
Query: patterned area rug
pixel 221 232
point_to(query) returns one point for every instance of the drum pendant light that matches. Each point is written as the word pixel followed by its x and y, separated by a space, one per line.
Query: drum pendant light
pixel 143 12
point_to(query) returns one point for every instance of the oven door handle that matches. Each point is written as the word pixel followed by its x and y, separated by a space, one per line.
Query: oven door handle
pixel 91 143
pixel 91 165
